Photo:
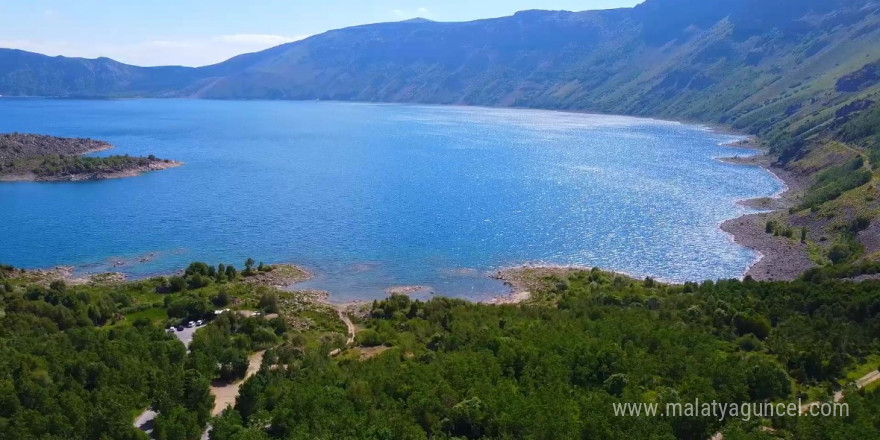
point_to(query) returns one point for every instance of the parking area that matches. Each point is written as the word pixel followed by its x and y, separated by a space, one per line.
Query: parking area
pixel 186 335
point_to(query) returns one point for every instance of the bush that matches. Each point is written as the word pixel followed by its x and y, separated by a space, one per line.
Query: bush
pixel 269 302
pixel 197 268
pixel 177 284
pixel 232 365
pixel 369 338
pixel 188 306
pixel 839 253
pixel 222 299
pixel 756 325
pixel 859 224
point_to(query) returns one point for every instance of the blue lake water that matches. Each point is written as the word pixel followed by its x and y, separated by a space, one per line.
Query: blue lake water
pixel 374 196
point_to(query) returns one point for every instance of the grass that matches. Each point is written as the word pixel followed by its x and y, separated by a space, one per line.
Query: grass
pixel 325 319
pixel 155 315
pixel 833 182
pixel 814 393
pixel 817 254
pixel 871 364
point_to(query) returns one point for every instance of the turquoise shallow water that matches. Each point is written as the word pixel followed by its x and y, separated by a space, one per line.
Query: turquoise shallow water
pixel 374 196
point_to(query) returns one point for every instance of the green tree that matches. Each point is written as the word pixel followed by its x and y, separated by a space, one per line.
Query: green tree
pixel 231 273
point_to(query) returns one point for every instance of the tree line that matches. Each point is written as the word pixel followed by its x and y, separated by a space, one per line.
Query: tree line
pixel 552 370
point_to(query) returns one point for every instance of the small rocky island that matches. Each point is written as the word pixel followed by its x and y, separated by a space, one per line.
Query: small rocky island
pixel 33 157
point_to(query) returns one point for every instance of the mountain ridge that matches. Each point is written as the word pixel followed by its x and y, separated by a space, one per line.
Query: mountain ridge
pixel 730 62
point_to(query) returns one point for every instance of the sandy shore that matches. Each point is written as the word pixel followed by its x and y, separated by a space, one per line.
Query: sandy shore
pixel 780 258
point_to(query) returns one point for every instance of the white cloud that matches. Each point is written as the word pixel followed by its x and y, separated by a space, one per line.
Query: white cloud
pixel 187 52
pixel 258 39
pixel 401 14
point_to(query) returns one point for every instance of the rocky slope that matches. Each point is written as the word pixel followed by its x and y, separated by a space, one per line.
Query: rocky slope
pixel 21 145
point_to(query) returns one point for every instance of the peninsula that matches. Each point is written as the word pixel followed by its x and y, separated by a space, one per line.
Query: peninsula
pixel 33 157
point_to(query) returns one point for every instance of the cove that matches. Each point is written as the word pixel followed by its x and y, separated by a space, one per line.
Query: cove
pixel 371 196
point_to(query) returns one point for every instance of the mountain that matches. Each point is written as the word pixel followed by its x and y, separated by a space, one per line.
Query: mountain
pixel 734 61
pixel 745 63
pixel 30 74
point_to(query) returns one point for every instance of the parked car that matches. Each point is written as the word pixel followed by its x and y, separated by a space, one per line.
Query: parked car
pixel 200 322
pixel 180 328
pixel 190 324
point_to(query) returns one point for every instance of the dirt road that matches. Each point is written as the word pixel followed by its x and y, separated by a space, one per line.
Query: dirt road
pixel 349 325
pixel 224 395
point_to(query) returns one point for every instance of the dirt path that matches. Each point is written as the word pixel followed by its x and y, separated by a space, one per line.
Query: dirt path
pixel 838 396
pixel 861 154
pixel 351 330
pixel 224 395
pixel 349 325
pixel 868 379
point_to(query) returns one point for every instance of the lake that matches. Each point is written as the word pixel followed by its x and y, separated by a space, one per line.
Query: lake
pixel 371 196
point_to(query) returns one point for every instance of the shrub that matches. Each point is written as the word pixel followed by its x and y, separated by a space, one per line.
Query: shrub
pixel 369 338
pixel 839 253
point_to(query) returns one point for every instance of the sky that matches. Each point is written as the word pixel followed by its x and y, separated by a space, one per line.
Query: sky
pixel 202 32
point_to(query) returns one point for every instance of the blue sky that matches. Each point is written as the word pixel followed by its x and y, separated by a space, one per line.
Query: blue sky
pixel 200 32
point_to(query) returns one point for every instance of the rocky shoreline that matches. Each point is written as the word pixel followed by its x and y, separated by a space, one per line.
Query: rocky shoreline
pixel 525 279
pixel 68 274
pixel 157 165
pixel 43 158
pixel 780 258
pixel 282 276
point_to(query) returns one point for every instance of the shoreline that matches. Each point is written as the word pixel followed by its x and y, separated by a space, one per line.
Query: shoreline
pixel 706 125
pixel 157 165
pixel 525 278
pixel 25 151
pixel 778 258
pixel 282 276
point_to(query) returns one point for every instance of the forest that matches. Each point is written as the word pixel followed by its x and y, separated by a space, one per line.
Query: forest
pixel 553 368
pixel 81 361
pixel 63 165
pixel 66 374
